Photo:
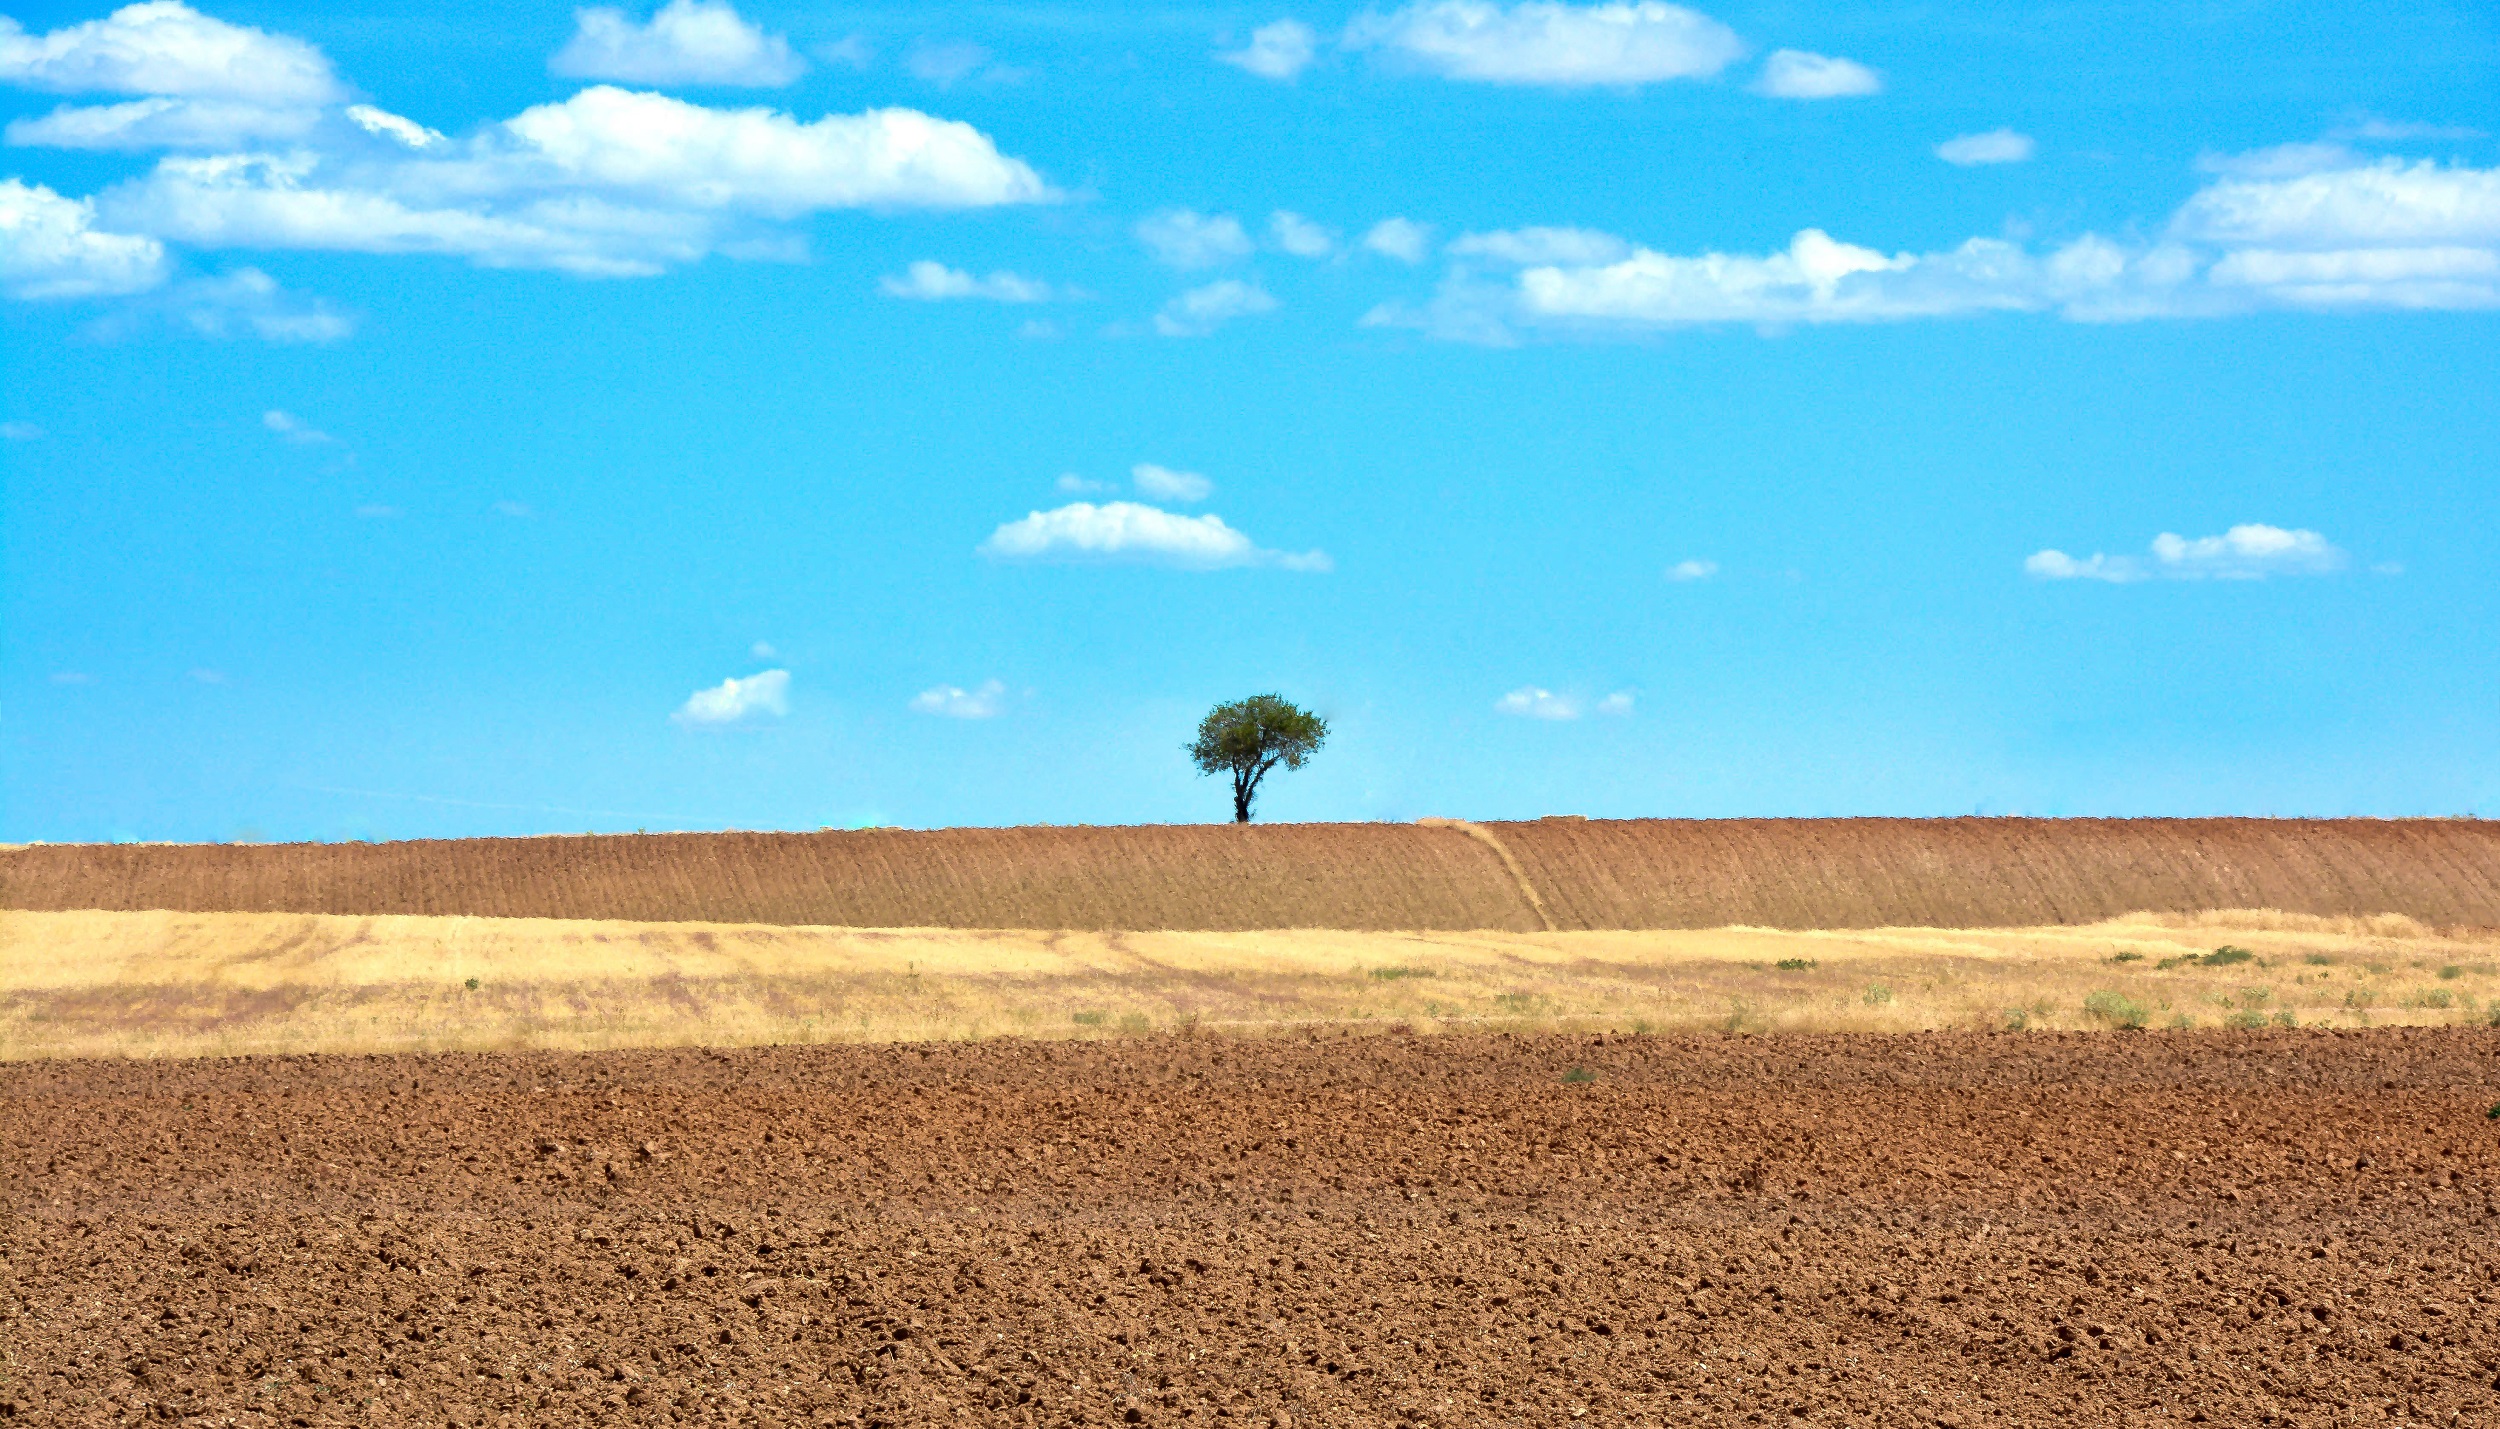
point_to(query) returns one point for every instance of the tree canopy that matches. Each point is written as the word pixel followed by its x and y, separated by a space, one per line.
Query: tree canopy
pixel 1247 738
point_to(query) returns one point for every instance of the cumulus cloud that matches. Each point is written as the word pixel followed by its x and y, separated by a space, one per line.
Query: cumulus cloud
pixel 1164 484
pixel 687 42
pixel 1399 238
pixel 733 700
pixel 1125 531
pixel 1276 51
pixel 1299 236
pixel 50 247
pixel 291 428
pixel 407 133
pixel 1537 703
pixel 2251 552
pixel 609 182
pixel 986 702
pixel 1997 146
pixel 1687 571
pixel 1186 238
pixel 167 48
pixel 143 124
pixel 1202 310
pixel 244 302
pixel 1801 74
pixel 1543 43
pixel 2372 234
pixel 930 281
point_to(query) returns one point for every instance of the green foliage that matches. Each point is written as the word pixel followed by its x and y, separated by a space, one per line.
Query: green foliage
pixel 1876 995
pixel 2432 997
pixel 1796 965
pixel 1247 738
pixel 2226 955
pixel 1392 974
pixel 471 984
pixel 2246 1019
pixel 1086 1019
pixel 2450 972
pixel 1579 1075
pixel 1135 1023
pixel 2017 1019
pixel 2284 1018
pixel 2130 956
pixel 2319 960
pixel 2115 1008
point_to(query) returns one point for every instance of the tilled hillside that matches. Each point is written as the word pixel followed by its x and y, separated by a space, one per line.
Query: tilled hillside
pixel 1562 873
pixel 2010 1229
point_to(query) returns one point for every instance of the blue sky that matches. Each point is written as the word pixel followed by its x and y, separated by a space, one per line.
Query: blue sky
pixel 420 420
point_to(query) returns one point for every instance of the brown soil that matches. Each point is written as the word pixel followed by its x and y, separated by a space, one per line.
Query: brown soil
pixel 1589 874
pixel 1967 1229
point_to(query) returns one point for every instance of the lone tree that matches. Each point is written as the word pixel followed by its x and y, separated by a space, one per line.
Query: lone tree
pixel 1249 737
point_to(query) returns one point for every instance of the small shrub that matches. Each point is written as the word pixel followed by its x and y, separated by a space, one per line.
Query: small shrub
pixel 2129 956
pixel 2494 1113
pixel 2017 1019
pixel 2284 1018
pixel 471 984
pixel 2115 1008
pixel 2450 973
pixel 1087 1019
pixel 1134 1023
pixel 1578 1075
pixel 2226 955
pixel 1393 974
pixel 2182 1022
pixel 2247 1019
pixel 1796 965
pixel 2319 960
pixel 2432 997
pixel 1876 994
pixel 2253 996
pixel 2495 1012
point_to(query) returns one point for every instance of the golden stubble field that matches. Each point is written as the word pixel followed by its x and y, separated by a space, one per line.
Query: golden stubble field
pixel 160 984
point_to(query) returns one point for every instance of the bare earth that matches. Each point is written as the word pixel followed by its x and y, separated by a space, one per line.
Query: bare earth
pixel 2148 1228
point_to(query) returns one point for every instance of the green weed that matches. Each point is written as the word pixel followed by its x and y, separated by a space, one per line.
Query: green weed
pixel 1876 994
pixel 1796 965
pixel 2115 1008
pixel 2129 956
pixel 1086 1019
pixel 1579 1075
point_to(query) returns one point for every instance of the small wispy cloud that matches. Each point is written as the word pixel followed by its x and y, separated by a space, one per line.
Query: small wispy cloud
pixel 2251 552
pixel 732 701
pixel 1401 238
pixel 1683 571
pixel 929 281
pixel 1186 238
pixel 1299 236
pixel 1996 146
pixel 1164 484
pixel 1278 51
pixel 1802 74
pixel 1537 703
pixel 1619 703
pixel 986 702
pixel 763 650
pixel 1201 311
pixel 289 427
pixel 1127 531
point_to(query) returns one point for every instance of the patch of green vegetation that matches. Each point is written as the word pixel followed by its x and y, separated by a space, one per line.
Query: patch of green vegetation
pixel 1134 1023
pixel 2017 1019
pixel 2432 997
pixel 2319 960
pixel 1392 974
pixel 2255 996
pixel 2182 1022
pixel 1520 1004
pixel 2129 956
pixel 1578 1076
pixel 2115 1008
pixel 1876 994
pixel 2283 1018
pixel 1796 965
pixel 2451 973
pixel 2246 1019
pixel 2226 955
pixel 1086 1019
pixel 471 984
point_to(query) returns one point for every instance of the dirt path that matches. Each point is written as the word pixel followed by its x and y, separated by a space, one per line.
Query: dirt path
pixel 1963 1229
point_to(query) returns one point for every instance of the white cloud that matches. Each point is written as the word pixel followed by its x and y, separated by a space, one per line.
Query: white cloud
pixel 687 42
pixel 851 52
pixel 2251 552
pixel 930 281
pixel 51 248
pixel 2282 161
pixel 946 63
pixel 2371 126
pixel 1299 236
pixel 406 132
pixel 1996 146
pixel 292 428
pixel 1075 485
pixel 1527 247
pixel 1535 703
pixel 763 650
pixel 1276 51
pixel 733 700
pixel 2375 234
pixel 142 124
pixel 1627 42
pixel 1399 238
pixel 247 301
pixel 1185 238
pixel 1164 484
pixel 984 703
pixel 1618 703
pixel 1127 531
pixel 610 182
pixel 1684 571
pixel 1201 310
pixel 20 432
pixel 167 48
pixel 1801 74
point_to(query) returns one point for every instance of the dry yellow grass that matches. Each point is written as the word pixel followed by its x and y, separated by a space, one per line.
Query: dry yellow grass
pixel 204 984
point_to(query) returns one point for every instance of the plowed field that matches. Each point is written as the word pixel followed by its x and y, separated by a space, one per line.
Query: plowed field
pixel 1570 874
pixel 2237 1228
